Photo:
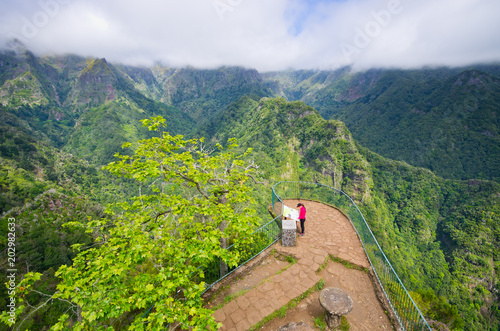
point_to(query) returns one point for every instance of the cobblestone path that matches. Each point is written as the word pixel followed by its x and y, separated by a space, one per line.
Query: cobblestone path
pixel 327 232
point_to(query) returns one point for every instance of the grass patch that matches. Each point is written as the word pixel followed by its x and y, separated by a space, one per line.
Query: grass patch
pixel 325 263
pixel 344 324
pixel 292 304
pixel 231 297
pixel 319 322
pixel 319 285
pixel 288 258
pixel 348 265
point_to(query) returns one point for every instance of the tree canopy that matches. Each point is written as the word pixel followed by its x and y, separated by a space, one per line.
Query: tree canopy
pixel 154 250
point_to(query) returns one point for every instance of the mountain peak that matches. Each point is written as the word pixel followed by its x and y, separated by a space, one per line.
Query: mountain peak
pixel 96 67
pixel 96 83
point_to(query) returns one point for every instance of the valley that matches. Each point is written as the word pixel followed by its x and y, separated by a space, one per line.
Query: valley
pixel 418 150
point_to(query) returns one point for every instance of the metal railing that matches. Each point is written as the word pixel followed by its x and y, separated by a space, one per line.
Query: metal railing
pixel 261 239
pixel 405 309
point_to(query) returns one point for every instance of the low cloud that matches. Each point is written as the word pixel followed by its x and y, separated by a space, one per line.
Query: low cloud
pixel 267 35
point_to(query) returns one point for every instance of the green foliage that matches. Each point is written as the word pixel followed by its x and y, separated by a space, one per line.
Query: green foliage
pixel 43 244
pixel 442 119
pixel 319 322
pixel 441 237
pixel 104 129
pixel 293 142
pixel 154 250
pixel 38 168
pixel 203 93
pixel 319 286
pixel 344 324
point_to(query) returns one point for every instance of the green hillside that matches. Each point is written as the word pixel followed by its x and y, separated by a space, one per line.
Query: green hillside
pixel 443 119
pixel 441 235
pixel 63 117
pixel 293 142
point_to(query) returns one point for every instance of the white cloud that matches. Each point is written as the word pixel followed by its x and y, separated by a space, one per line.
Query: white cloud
pixel 267 35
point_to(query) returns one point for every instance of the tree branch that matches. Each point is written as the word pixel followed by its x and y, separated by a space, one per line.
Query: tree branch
pixel 198 187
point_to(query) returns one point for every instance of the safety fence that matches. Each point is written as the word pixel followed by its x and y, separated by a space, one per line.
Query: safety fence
pixel 261 239
pixel 407 312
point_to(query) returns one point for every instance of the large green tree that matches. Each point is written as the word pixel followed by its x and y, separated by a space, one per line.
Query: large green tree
pixel 158 246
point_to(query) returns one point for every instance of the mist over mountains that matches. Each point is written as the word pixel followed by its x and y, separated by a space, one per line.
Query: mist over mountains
pixel 419 150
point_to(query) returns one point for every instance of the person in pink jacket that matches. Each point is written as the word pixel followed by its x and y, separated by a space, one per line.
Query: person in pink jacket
pixel 302 218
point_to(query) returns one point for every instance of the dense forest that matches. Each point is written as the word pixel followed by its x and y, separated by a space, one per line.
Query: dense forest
pixel 435 210
pixel 443 119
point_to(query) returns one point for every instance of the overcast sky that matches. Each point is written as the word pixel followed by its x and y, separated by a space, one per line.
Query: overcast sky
pixel 262 34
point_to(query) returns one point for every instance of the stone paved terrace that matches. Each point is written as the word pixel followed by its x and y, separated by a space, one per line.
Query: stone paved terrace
pixel 328 232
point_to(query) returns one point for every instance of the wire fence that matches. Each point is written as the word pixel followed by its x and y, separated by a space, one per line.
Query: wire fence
pixel 407 312
pixel 261 239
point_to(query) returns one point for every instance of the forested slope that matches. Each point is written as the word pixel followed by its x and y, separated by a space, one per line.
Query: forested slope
pixel 64 117
pixel 441 235
pixel 443 119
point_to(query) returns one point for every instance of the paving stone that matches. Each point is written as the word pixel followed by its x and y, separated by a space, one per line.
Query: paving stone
pixel 243 302
pixel 317 251
pixel 294 270
pixel 230 307
pixel 294 292
pixel 253 316
pixel 244 324
pixel 266 287
pixel 219 315
pixel 275 304
pixel 237 316
pixel 253 299
pixel 265 310
pixel 229 324
pixel 305 262
pixel 302 274
pixel 319 259
pixel 276 279
pixel 283 300
pixel 315 266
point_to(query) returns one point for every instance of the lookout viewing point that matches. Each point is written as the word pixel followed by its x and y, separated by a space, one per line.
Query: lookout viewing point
pixel 328 233
pixel 280 287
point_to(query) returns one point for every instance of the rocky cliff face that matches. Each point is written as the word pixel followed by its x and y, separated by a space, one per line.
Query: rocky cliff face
pixel 201 93
pixel 94 86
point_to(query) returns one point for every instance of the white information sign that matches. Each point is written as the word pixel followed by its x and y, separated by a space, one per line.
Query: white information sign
pixel 290 213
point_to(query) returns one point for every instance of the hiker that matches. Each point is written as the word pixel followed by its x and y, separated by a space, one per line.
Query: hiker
pixel 302 217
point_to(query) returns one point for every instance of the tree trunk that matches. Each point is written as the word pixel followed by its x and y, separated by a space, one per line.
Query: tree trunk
pixel 223 268
pixel 79 314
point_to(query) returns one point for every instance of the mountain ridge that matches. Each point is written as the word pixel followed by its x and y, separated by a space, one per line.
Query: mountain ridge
pixel 441 234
